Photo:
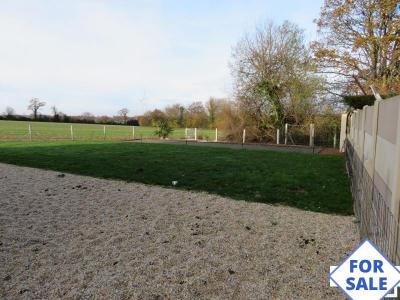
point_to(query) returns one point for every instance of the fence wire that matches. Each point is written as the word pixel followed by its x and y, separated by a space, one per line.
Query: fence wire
pixel 372 210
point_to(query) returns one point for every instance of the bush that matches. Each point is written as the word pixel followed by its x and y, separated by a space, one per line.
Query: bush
pixel 359 101
pixel 164 130
pixel 132 122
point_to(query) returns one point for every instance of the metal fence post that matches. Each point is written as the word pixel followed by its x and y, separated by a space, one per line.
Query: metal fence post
pixel 133 132
pixel 244 136
pixel 195 134
pixel 72 133
pixel 104 132
pixel 216 134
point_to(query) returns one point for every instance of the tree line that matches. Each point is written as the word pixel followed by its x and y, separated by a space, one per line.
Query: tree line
pixel 35 105
pixel 211 114
pixel 280 78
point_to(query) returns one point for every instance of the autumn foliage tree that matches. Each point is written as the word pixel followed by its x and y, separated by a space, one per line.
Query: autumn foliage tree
pixel 175 114
pixel 359 45
pixel 196 115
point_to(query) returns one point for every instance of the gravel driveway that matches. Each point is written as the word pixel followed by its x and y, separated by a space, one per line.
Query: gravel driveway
pixel 68 236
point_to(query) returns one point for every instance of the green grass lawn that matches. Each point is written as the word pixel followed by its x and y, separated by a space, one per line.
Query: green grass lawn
pixel 18 130
pixel 306 181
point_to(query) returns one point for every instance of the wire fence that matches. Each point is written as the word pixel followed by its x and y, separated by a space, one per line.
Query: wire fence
pixel 300 135
pixel 376 220
pixel 43 131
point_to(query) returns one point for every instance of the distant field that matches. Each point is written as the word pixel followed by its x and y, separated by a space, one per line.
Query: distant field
pixel 306 181
pixel 18 130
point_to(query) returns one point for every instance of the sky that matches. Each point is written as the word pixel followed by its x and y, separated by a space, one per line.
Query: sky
pixel 99 56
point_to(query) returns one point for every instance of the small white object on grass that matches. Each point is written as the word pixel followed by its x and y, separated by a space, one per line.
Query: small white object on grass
pixel 174 182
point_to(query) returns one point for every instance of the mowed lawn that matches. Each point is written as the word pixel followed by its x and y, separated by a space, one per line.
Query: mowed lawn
pixel 306 181
pixel 18 130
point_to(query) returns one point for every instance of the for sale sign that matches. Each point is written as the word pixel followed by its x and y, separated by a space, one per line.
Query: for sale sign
pixel 366 274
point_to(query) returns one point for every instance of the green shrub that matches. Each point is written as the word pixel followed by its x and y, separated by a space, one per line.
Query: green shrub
pixel 359 101
pixel 164 130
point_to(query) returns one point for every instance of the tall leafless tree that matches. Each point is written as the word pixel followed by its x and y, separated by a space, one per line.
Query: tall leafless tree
pixel 124 114
pixel 9 112
pixel 34 105
pixel 273 70
pixel 56 113
pixel 211 106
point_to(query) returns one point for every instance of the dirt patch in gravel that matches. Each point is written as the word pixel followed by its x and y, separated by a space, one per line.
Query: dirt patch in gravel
pixel 330 151
pixel 68 236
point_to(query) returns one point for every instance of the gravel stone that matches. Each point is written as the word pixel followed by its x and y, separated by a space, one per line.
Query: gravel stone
pixel 80 244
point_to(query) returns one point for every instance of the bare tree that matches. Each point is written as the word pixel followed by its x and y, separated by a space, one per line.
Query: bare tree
pixel 87 116
pixel 174 115
pixel 56 114
pixel 272 69
pixel 212 106
pixel 54 110
pixel 196 115
pixel 9 112
pixel 124 114
pixel 35 105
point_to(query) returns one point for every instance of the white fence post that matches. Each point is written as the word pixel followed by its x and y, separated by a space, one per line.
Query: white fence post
pixel 195 134
pixel 30 131
pixel 313 139
pixel 104 132
pixel 311 135
pixel 342 132
pixel 286 132
pixel 133 132
pixel 216 134
pixel 72 133
pixel 244 136
pixel 277 136
pixel 334 139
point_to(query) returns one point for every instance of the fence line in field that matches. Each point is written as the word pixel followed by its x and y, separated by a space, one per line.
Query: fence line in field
pixel 64 131
pixel 292 134
pixel 373 161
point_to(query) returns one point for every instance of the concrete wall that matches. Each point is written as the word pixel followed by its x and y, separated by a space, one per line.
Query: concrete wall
pixel 374 132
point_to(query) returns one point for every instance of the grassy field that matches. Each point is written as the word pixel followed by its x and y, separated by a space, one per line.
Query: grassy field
pixel 18 131
pixel 306 181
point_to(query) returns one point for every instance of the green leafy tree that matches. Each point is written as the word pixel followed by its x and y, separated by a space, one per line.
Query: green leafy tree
pixel 164 129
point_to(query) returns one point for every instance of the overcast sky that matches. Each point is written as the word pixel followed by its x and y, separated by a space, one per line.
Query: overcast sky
pixel 100 56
